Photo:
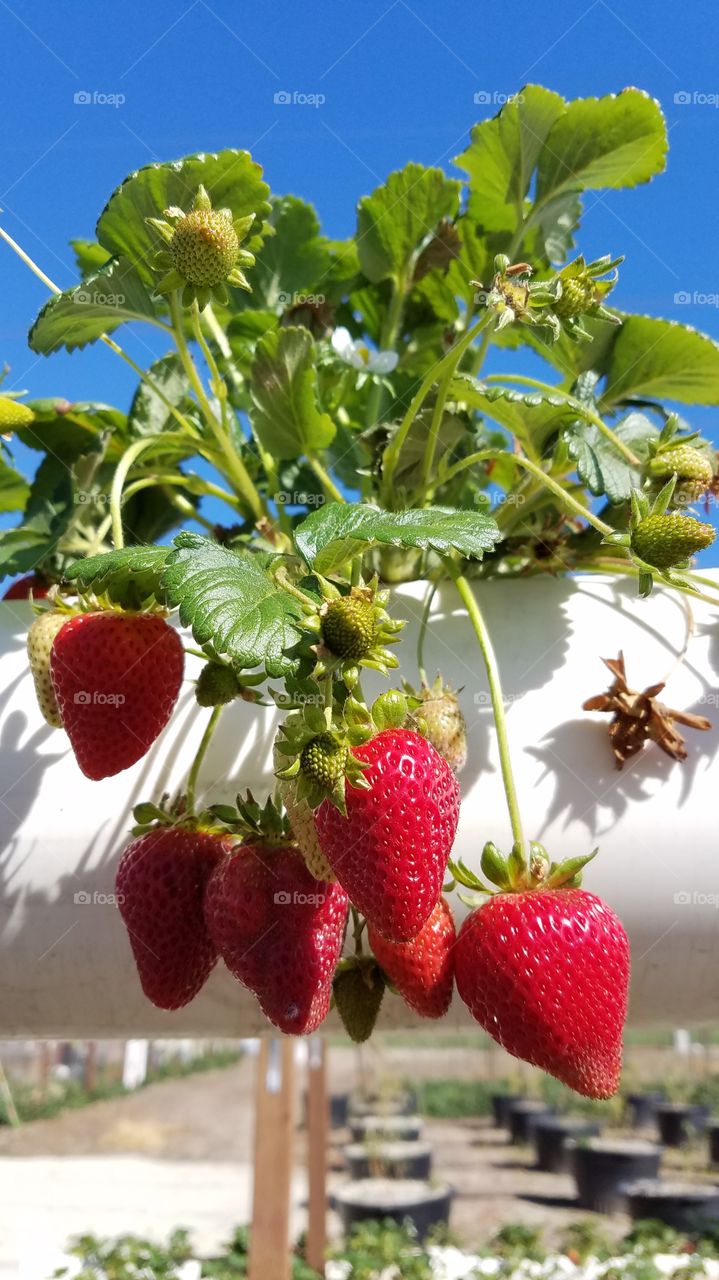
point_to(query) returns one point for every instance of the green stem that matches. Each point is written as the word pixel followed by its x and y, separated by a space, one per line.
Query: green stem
pixel 429 597
pixel 233 465
pixel 583 411
pixel 325 479
pixel 121 472
pixel 448 361
pixel 561 494
pixel 387 340
pixel 193 775
pixel 435 425
pixel 629 569
pixel 495 689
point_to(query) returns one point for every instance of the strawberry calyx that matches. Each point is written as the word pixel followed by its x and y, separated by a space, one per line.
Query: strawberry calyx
pixel 202 254
pixel 316 744
pixel 517 874
pixel 353 630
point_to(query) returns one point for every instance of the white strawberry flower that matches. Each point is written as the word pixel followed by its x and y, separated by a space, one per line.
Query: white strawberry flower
pixel 360 356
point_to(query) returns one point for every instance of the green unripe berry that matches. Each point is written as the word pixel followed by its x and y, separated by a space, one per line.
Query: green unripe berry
pixel 685 462
pixel 216 685
pixel 358 993
pixel 349 627
pixel 204 247
pixel 577 297
pixel 324 759
pixel 667 540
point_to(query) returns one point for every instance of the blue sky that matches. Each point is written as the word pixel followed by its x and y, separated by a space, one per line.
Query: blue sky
pixel 399 82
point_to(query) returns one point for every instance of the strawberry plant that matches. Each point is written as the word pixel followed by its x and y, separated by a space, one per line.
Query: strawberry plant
pixel 331 398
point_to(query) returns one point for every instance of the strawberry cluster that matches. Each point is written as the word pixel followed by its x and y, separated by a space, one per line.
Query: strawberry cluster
pixel 335 892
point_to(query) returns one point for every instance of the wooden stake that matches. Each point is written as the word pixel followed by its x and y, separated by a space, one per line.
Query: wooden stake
pixel 90 1072
pixel 317 1126
pixel 269 1254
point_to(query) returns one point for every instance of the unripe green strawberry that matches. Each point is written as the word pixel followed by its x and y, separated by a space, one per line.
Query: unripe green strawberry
pixel 666 540
pixel 685 462
pixel 14 415
pixel 216 685
pixel 349 627
pixel 358 993
pixel 324 759
pixel 445 726
pixel 40 639
pixel 577 297
pixel 204 247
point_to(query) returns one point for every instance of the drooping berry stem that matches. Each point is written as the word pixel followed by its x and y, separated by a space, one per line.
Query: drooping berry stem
pixel 583 410
pixel 429 597
pixel 495 689
pixel 191 788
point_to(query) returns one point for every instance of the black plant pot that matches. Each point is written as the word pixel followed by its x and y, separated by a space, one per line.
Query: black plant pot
pixel 403 1103
pixel 339 1108
pixel 679 1204
pixel 427 1207
pixel 675 1122
pixel 601 1168
pixel 389 1160
pixel 642 1108
pixel 550 1135
pixel 713 1132
pixel 522 1116
pixel 501 1104
pixel 386 1128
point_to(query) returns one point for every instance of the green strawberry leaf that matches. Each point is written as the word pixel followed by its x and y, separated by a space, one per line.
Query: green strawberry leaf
pixel 285 414
pixel 231 178
pixel 14 488
pixel 338 531
pixel 68 430
pixel 107 298
pixel 503 154
pixel 291 262
pixel 230 601
pixel 532 417
pixel 397 218
pixel 616 141
pixel 89 256
pixel 661 358
pixel 149 415
pixel 600 465
pixel 47 515
pixel 131 576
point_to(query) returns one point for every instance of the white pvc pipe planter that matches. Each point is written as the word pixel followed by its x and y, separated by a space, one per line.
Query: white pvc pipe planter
pixel 66 967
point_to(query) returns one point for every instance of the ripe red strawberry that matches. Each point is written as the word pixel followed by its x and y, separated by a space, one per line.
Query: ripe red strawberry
pixel 160 887
pixel 23 587
pixel 422 970
pixel 391 850
pixel 546 972
pixel 279 931
pixel 116 678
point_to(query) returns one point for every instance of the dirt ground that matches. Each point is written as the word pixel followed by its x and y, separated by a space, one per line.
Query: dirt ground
pixel 208 1118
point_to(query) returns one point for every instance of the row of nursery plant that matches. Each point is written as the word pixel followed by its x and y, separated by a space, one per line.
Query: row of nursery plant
pixel 385 1251
pixel 333 397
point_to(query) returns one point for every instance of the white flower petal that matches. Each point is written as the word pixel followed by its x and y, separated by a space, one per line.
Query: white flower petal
pixel 342 342
pixel 383 361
